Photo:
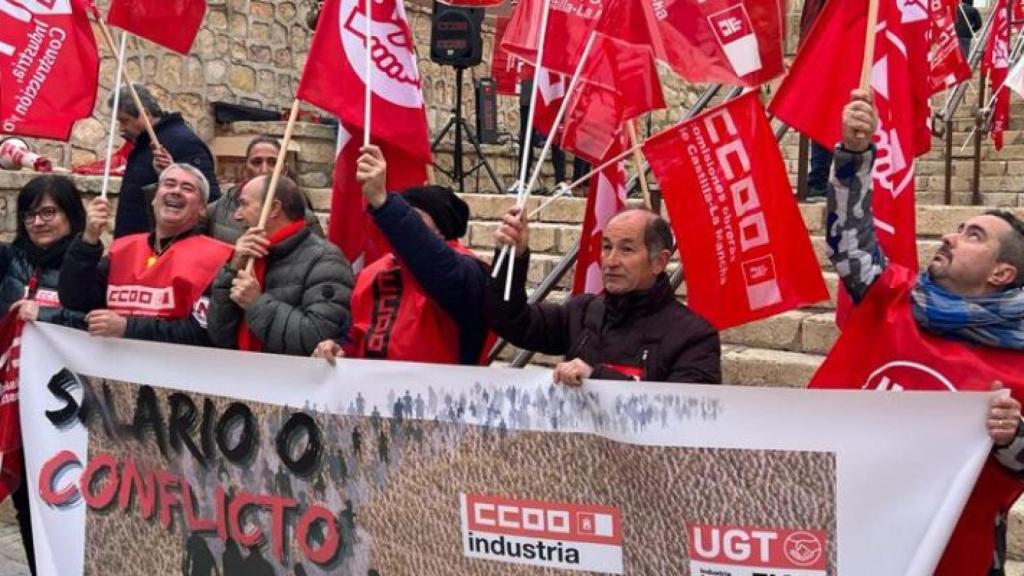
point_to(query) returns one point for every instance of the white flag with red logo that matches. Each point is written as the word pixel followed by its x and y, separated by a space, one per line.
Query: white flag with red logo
pixel 606 197
pixel 900 87
pixel 48 67
pixel 334 79
pixel 996 64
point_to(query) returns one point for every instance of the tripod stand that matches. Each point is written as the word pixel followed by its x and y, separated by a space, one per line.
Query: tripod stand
pixel 458 122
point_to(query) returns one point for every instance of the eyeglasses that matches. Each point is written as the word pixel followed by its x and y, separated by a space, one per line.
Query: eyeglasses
pixel 46 214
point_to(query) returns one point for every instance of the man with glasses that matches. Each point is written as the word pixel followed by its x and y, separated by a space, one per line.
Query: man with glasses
pixel 151 286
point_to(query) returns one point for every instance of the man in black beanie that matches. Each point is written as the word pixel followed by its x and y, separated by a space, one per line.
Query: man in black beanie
pixel 424 301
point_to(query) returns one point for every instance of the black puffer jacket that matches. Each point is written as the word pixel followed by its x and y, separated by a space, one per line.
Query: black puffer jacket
pixel 184 147
pixel 19 262
pixel 306 295
pixel 650 331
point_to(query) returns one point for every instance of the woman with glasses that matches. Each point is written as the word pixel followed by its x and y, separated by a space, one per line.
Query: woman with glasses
pixel 50 214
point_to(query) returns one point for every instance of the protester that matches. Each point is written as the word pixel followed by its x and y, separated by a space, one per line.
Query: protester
pixel 430 289
pixel 635 330
pixel 178 143
pixel 298 293
pixel 50 213
pixel 968 22
pixel 962 320
pixel 260 159
pixel 150 286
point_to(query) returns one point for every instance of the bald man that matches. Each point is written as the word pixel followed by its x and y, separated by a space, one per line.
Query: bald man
pixel 635 330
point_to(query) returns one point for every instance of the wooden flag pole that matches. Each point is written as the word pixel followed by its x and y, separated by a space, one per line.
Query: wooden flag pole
pixel 638 163
pixel 109 40
pixel 869 46
pixel 275 177
pixel 113 115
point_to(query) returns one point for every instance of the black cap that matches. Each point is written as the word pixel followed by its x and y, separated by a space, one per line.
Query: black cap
pixel 449 212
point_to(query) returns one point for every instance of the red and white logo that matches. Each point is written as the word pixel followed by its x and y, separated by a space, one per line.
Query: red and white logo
pixel 541 533
pixel 902 374
pixel 140 299
pixel 735 35
pixel 394 75
pixel 747 551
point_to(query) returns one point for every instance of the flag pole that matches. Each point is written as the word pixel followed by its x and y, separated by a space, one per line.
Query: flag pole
pixel 108 38
pixel 520 201
pixel 568 188
pixel 275 177
pixel 113 115
pixel 638 163
pixel 368 92
pixel 869 46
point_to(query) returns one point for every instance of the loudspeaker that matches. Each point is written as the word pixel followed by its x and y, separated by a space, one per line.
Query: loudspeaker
pixel 455 36
pixel 486 93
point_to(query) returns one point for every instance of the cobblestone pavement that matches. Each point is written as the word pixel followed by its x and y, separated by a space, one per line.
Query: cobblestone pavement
pixel 12 555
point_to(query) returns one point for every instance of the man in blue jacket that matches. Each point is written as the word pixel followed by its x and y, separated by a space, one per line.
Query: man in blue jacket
pixel 424 301
pixel 178 144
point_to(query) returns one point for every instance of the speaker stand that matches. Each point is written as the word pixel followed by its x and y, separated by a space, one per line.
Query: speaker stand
pixel 458 122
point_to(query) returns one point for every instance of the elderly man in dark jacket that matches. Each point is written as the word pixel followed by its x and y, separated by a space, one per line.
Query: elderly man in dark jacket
pixel 178 143
pixel 299 291
pixel 636 330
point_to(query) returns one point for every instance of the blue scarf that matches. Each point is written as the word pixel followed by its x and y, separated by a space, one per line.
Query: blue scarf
pixel 995 320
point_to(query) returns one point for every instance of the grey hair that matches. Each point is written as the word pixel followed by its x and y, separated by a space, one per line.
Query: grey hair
pixel 204 184
pixel 127 105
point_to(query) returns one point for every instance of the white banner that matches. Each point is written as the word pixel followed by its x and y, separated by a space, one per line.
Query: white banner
pixel 151 459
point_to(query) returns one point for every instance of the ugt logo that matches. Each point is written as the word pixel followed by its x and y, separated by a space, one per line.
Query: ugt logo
pixel 901 374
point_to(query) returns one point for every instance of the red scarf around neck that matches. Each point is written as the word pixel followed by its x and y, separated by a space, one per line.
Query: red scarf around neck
pixel 246 339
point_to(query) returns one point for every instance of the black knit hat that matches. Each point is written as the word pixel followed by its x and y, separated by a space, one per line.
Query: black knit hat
pixel 449 212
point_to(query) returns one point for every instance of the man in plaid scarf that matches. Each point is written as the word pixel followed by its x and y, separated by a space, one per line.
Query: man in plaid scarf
pixel 958 326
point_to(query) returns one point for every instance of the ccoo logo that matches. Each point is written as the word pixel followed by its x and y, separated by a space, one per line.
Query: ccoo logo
pixel 395 77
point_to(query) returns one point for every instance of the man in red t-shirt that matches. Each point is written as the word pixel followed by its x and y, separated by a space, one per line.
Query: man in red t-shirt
pixel 959 326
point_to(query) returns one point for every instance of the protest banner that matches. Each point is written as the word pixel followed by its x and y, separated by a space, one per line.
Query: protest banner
pixel 146 458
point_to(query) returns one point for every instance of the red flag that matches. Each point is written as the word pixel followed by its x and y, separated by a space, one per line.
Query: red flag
pixel 606 197
pixel 350 226
pixel 729 41
pixel 996 64
pixel 49 66
pixel 10 424
pixel 170 23
pixel 504 68
pixel 898 79
pixel 333 77
pixel 550 89
pixel 569 25
pixel 743 242
pixel 619 83
pixel 334 80
pixel 948 66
